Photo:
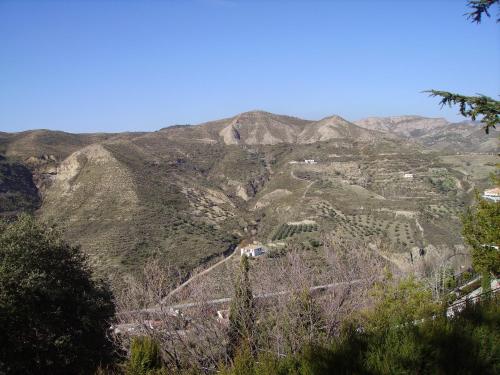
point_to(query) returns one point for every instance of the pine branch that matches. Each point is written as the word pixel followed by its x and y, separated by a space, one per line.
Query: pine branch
pixel 472 107
pixel 480 8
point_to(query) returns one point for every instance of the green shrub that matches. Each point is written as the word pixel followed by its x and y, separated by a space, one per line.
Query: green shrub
pixel 469 343
pixel 314 242
pixel 145 357
pixel 279 235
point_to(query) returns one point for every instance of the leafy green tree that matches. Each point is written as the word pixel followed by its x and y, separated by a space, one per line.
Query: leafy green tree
pixel 400 303
pixel 481 229
pixel 242 311
pixel 53 314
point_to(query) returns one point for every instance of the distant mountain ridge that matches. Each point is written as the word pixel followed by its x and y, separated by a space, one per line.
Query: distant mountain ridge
pixel 265 128
pixel 402 125
pixel 436 133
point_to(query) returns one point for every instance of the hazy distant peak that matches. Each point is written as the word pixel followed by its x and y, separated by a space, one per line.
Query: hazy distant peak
pixel 334 119
pixel 266 128
pixel 253 116
pixel 395 120
pixel 408 125
pixel 260 115
pixel 256 112
pixel 260 127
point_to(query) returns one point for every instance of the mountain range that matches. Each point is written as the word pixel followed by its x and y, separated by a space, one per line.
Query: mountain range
pixel 264 128
pixel 188 193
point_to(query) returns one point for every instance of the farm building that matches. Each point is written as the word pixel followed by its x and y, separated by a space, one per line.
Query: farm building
pixel 492 194
pixel 223 316
pixel 253 250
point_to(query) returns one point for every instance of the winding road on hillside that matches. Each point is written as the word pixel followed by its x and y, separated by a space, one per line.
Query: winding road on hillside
pixel 219 301
pixel 301 179
pixel 194 277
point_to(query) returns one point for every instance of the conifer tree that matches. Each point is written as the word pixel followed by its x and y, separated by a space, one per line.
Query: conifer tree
pixel 481 223
pixel 242 311
pixel 481 229
pixel 480 105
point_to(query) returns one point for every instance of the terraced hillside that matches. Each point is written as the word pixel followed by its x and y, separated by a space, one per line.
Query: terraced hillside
pixel 188 194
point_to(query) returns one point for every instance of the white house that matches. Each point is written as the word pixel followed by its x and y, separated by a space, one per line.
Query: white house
pixel 492 194
pixel 253 250
pixel 310 161
pixel 408 175
pixel 223 316
pixel 490 246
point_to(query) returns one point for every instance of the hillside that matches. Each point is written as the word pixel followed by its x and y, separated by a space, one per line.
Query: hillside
pixel 435 133
pixel 264 128
pixel 187 194
pixel 406 126
pixel 17 189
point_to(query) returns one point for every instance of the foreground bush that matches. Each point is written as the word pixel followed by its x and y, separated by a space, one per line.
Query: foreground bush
pixel 53 314
pixel 145 357
pixel 467 344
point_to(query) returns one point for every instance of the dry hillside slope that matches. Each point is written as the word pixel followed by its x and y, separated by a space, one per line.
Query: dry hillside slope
pixel 188 194
pixel 436 133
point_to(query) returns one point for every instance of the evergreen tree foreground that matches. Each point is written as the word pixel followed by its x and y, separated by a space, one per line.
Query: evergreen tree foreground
pixel 53 315
pixel 241 312
pixel 480 106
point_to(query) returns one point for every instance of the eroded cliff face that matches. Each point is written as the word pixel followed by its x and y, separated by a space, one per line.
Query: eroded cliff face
pixel 44 170
pixel 87 181
pixel 18 191
pixel 92 198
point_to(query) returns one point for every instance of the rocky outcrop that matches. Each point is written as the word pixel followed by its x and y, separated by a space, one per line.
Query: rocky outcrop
pixel 18 191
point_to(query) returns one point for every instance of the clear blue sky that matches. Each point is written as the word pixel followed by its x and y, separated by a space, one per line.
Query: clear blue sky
pixel 137 65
